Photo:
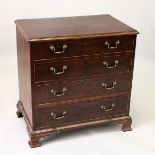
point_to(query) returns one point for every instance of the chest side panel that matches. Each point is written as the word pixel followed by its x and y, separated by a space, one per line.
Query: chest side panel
pixel 24 74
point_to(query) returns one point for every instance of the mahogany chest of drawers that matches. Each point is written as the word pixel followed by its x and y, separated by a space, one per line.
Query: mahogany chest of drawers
pixel 74 72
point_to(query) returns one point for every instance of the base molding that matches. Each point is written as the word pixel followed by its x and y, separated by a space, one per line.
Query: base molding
pixel 35 135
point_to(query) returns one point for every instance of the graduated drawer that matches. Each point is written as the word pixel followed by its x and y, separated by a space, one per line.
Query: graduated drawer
pixel 103 86
pixel 77 112
pixel 79 68
pixel 75 48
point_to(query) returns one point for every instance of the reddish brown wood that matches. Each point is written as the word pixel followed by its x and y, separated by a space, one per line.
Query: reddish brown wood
pixel 73 113
pixel 24 76
pixel 19 112
pixel 36 135
pixel 81 89
pixel 73 27
pixel 43 70
pixel 35 141
pixel 95 88
pixel 81 47
pixel 82 68
pixel 126 126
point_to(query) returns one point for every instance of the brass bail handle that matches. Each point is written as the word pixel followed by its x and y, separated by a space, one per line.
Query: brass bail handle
pixel 55 93
pixel 110 67
pixel 61 116
pixel 107 86
pixel 53 69
pixel 112 47
pixel 53 49
pixel 108 109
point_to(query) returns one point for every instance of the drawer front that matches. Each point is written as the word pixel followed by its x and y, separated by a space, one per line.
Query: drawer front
pixel 80 68
pixel 103 86
pixel 83 47
pixel 69 114
pixel 59 70
pixel 109 64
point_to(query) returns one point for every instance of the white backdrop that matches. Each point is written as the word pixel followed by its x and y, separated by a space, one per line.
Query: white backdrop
pixel 108 140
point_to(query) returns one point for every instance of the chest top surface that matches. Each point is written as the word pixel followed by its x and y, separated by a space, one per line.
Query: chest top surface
pixel 72 27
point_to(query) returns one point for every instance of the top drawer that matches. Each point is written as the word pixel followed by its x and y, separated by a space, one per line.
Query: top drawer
pixel 82 47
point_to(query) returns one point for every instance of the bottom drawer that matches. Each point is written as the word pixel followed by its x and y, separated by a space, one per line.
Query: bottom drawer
pixel 76 112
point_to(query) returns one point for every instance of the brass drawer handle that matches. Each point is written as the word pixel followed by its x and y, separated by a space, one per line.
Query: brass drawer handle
pixel 53 49
pixel 108 109
pixel 112 47
pixel 59 93
pixel 58 73
pixel 107 86
pixel 60 116
pixel 110 67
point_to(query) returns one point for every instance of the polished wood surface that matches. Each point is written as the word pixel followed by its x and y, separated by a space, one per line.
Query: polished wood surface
pixel 81 47
pixel 69 80
pixel 81 112
pixel 24 78
pixel 36 135
pixel 70 27
pixel 82 89
pixel 83 68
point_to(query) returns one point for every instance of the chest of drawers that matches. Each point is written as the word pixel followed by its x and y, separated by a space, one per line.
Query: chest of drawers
pixel 74 72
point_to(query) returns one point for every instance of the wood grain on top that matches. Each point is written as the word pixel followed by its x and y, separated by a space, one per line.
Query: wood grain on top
pixel 72 27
